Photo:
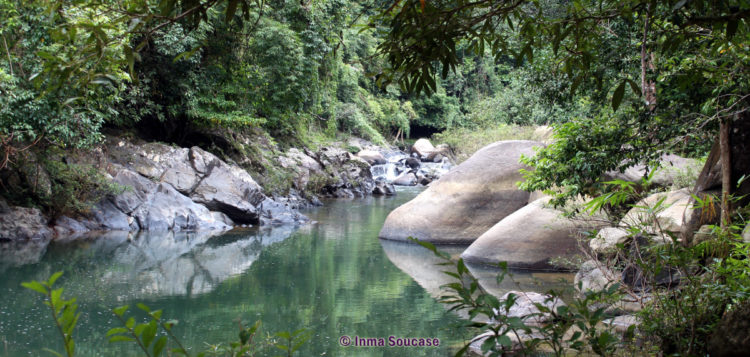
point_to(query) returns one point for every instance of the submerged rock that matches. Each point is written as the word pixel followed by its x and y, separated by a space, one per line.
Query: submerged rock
pixel 468 200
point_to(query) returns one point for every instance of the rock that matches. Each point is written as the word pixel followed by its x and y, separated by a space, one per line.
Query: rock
pixel 745 234
pixel 4 208
pixel 349 175
pixel 622 323
pixel 517 342
pixel 303 166
pixel 68 226
pixel 275 213
pixel 406 178
pixel 525 308
pixel 731 336
pixel 633 276
pixel 138 190
pixel 372 157
pixel 106 216
pixel 22 224
pixel 672 169
pixel 526 239
pixel 412 163
pixel 34 174
pixel 170 210
pixel 202 161
pixel 383 188
pixel 706 232
pixel 231 190
pixel 423 148
pixel 595 276
pixel 466 201
pixel 669 215
pixel 607 239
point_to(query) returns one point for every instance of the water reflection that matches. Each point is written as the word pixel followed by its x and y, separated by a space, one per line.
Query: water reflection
pixel 331 277
pixel 16 254
pixel 518 280
pixel 129 265
pixel 421 264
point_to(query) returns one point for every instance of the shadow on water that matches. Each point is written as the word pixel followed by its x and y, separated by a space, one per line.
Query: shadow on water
pixel 332 277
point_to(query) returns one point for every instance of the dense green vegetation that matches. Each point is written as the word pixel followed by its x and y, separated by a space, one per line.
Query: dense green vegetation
pixel 671 70
pixel 300 71
pixel 623 82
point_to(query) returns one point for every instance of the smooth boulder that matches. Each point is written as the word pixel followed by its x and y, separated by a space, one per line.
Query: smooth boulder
pixel 422 147
pixel 466 201
pixel 663 210
pixel 526 239
pixel 372 157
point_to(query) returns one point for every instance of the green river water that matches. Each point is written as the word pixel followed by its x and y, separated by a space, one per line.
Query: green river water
pixel 334 277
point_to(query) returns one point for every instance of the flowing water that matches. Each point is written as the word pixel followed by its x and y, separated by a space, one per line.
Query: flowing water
pixel 333 277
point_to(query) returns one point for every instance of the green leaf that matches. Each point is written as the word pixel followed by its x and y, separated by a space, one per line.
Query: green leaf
pixel 634 87
pixel 120 338
pixel 159 345
pixel 617 96
pixel 505 341
pixel 36 286
pixel 119 311
pixel 55 296
pixel 116 330
pixel 52 352
pixel 54 278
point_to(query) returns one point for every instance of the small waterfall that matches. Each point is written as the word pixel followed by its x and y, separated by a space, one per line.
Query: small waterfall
pixel 396 166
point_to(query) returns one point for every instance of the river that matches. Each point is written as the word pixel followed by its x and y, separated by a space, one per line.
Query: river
pixel 333 277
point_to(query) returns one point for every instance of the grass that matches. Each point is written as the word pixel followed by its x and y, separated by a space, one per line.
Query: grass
pixel 465 142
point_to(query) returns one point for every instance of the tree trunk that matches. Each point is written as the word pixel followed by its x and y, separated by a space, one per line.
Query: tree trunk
pixel 648 87
pixel 726 173
pixel 709 178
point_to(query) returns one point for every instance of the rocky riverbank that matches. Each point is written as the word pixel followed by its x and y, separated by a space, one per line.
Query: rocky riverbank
pixel 162 187
pixel 478 203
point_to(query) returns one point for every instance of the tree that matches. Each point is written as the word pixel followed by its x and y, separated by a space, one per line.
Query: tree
pixel 691 57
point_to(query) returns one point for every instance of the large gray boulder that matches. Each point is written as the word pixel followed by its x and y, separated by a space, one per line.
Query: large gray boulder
pixel 167 209
pixel 595 276
pixel 468 200
pixel 276 213
pixel 673 170
pixel 21 224
pixel 422 147
pixel 526 239
pixel 231 190
pixel 372 157
pixel 663 210
pixel 138 189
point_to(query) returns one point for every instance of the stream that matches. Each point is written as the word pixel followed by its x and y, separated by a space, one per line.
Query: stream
pixel 334 277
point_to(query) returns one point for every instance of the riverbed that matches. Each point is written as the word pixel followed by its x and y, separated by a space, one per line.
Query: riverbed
pixel 333 277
